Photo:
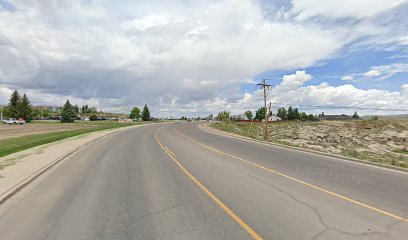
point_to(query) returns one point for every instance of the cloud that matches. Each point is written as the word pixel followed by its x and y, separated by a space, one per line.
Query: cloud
pixel 342 9
pixel 404 90
pixel 151 55
pixel 381 72
pixel 295 80
pixel 390 69
pixel 176 56
pixel 311 96
pixel 347 78
pixel 372 73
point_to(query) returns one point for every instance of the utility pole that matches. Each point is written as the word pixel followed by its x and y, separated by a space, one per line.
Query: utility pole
pixel 265 86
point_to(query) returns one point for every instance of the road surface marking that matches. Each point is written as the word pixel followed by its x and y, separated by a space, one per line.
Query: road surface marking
pixel 168 149
pixel 296 180
pixel 245 226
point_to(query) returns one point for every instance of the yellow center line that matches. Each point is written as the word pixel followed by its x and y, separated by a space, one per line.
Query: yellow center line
pixel 296 180
pixel 245 226
pixel 168 149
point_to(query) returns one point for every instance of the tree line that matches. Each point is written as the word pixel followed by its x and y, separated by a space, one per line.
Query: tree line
pixel 144 115
pixel 18 107
pixel 285 114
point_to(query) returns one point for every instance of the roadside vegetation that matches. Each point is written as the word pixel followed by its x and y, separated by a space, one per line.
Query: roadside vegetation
pixel 12 145
pixel 383 141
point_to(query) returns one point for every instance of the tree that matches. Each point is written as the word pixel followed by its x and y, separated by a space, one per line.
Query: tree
pixel 93 117
pixel 291 115
pixel 76 109
pixel 183 118
pixel 135 113
pixel 13 104
pixel 68 113
pixel 249 114
pixel 24 108
pixel 355 115
pixel 223 116
pixel 282 113
pixel 46 113
pixel 303 116
pixel 146 113
pixel 210 117
pixel 260 113
pixel 36 113
pixel 6 112
pixel 296 114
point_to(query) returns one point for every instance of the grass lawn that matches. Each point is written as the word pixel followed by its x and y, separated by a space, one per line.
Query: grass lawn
pixel 12 145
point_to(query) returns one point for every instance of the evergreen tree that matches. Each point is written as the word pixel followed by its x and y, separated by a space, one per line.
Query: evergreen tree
pixel 303 116
pixel 146 113
pixel 296 114
pixel 24 109
pixel 76 109
pixel 291 115
pixel 135 113
pixel 355 115
pixel 311 117
pixel 68 113
pixel 14 104
pixel 282 113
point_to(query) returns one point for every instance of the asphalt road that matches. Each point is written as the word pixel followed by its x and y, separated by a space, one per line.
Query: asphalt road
pixel 177 181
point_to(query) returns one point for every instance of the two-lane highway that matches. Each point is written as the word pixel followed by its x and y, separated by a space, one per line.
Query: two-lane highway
pixel 177 181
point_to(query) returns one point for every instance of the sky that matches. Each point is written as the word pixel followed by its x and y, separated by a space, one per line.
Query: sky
pixel 193 58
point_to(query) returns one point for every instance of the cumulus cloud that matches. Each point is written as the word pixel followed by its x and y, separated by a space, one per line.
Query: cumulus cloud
pixel 311 96
pixel 178 57
pixel 296 80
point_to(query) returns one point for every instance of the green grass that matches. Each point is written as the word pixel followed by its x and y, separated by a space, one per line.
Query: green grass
pixel 13 145
pixel 402 151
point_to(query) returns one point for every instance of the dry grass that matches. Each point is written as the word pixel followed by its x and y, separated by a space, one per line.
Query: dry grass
pixel 384 141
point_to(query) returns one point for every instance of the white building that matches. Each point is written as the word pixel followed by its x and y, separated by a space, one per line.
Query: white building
pixel 274 118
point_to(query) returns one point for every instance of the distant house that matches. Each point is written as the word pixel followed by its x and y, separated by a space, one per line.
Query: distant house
pixel 274 118
pixel 240 117
pixel 334 117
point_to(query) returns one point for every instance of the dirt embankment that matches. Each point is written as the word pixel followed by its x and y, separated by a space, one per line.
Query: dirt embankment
pixel 383 141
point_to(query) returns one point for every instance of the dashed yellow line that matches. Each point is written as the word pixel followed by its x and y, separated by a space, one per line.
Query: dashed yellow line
pixel 245 226
pixel 296 180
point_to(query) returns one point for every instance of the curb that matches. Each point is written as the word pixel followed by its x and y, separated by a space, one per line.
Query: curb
pixel 22 184
pixel 207 128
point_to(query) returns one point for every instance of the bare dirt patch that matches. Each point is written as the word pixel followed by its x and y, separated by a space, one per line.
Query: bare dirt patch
pixel 11 131
pixel 383 141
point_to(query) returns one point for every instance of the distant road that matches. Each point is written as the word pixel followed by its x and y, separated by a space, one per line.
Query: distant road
pixel 177 181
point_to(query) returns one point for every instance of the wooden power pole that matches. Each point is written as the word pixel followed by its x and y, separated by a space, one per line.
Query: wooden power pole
pixel 265 86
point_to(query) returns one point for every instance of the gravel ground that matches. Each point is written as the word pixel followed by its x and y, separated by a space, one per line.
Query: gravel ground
pixel 384 141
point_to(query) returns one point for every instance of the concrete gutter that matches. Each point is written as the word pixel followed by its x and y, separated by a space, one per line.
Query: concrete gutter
pixel 207 128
